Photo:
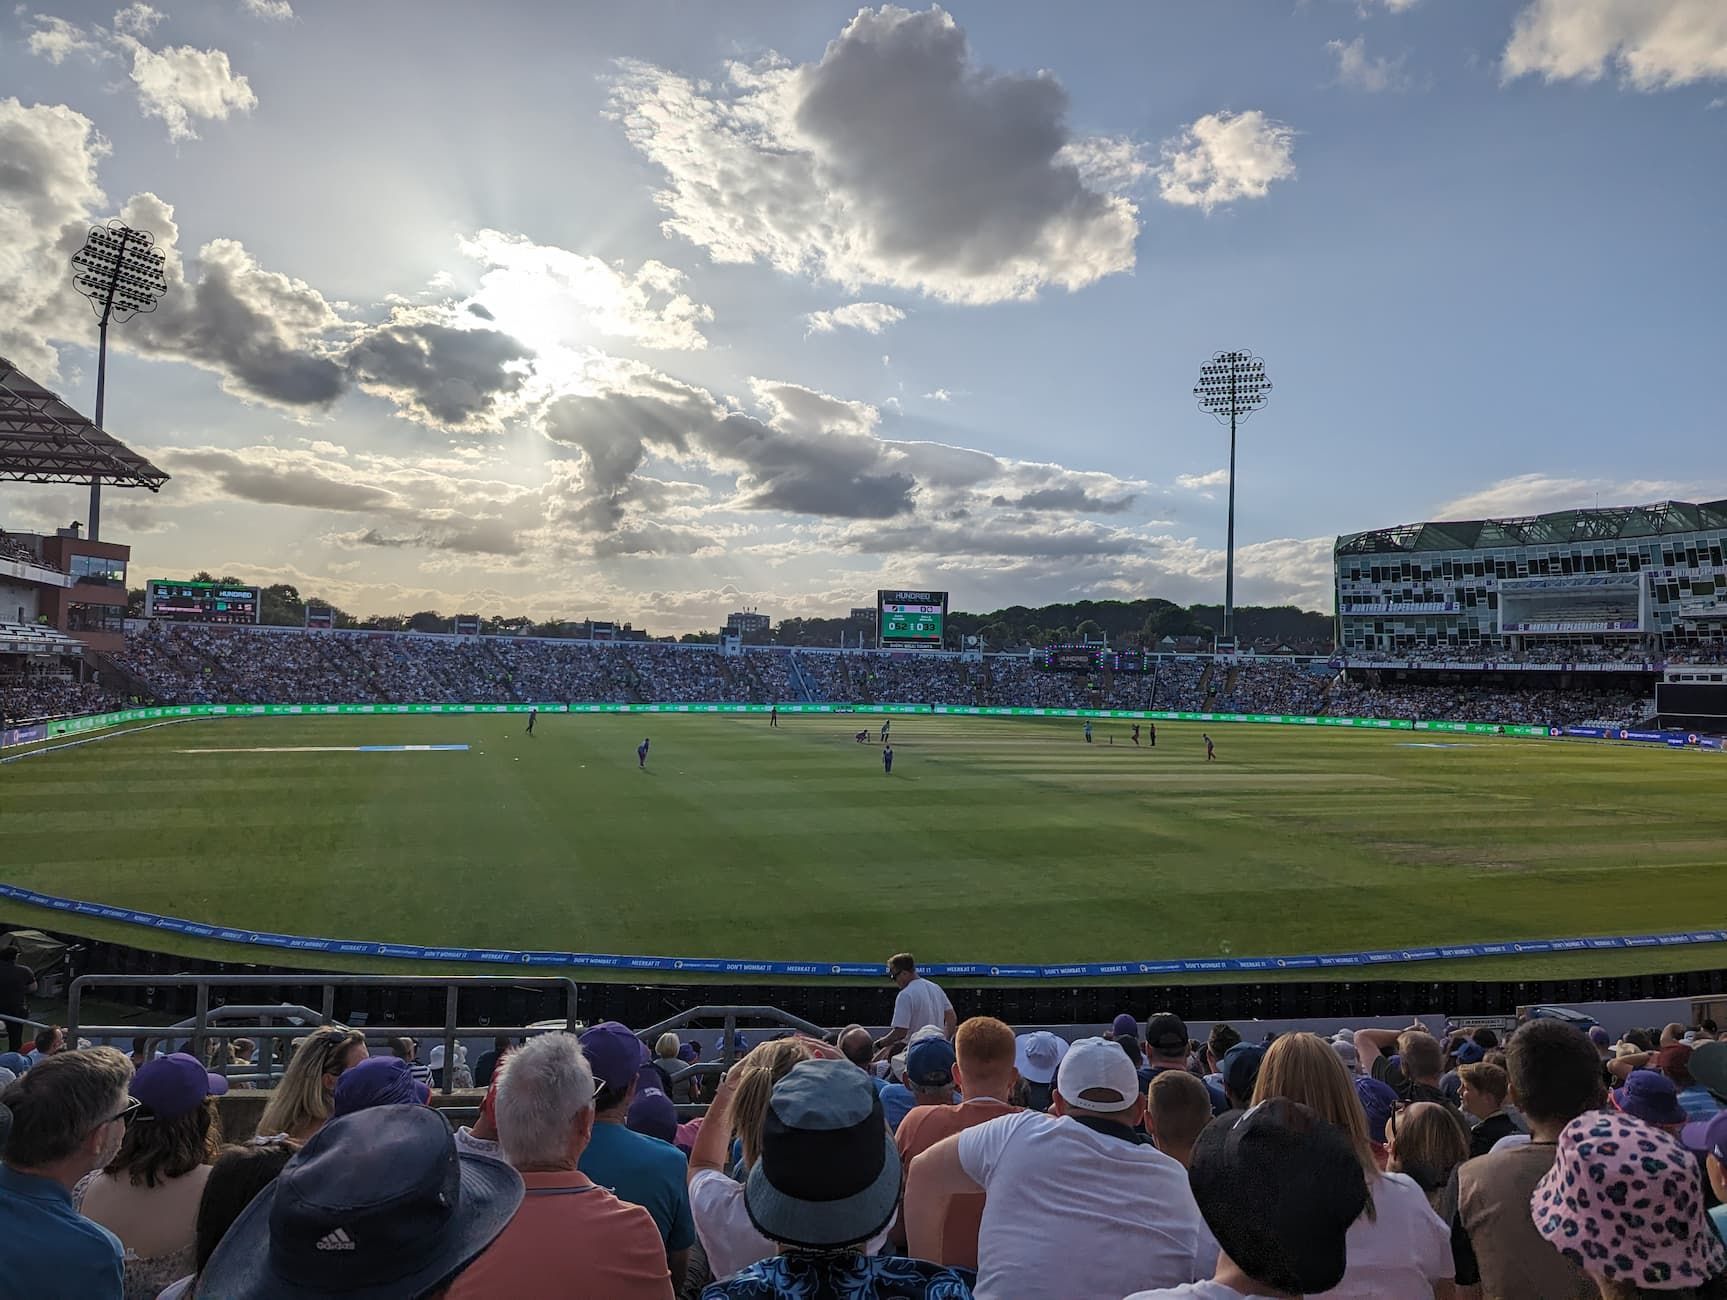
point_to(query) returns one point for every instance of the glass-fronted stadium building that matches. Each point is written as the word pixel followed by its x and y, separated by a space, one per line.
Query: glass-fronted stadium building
pixel 1653 574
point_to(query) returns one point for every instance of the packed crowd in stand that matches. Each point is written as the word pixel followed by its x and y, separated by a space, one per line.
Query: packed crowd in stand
pixel 13 549
pixel 45 696
pixel 950 1157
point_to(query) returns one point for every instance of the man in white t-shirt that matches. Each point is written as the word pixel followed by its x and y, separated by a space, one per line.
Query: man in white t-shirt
pixel 920 1002
pixel 1279 1187
pixel 1081 1205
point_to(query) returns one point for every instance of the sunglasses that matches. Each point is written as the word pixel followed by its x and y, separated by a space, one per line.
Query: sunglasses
pixel 126 1114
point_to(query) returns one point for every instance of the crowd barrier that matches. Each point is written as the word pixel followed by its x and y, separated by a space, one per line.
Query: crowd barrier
pixel 101 721
pixel 872 970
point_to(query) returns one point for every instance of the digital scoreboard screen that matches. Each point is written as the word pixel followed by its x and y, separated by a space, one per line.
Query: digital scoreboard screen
pixel 910 619
pixel 1090 659
pixel 200 602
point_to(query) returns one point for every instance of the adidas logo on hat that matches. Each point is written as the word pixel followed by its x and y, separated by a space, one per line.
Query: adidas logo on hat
pixel 337 1240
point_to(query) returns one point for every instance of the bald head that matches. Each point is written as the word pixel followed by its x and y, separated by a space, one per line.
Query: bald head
pixel 856 1046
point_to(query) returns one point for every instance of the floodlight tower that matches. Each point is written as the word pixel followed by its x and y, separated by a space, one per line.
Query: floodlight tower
pixel 1232 386
pixel 119 270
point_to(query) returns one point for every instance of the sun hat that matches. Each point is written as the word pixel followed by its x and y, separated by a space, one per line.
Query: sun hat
pixel 376 1081
pixel 1707 1136
pixel 1378 1100
pixel 1650 1097
pixel 929 1064
pixel 1240 1069
pixel 1125 1026
pixel 374 1207
pixel 1708 1067
pixel 175 1085
pixel 829 1173
pixel 1624 1201
pixel 614 1055
pixel 1038 1056
pixel 1096 1065
pixel 1241 1171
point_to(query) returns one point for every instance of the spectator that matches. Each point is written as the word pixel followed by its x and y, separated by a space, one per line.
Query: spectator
pixel 738 1113
pixel 381 1196
pixel 651 1110
pixel 406 1049
pixel 1603 1161
pixel 377 1081
pixel 1708 1138
pixel 1178 1107
pixel 1413 1074
pixel 1217 1044
pixel 481 1138
pixel 236 1178
pixel 148 1194
pixel 17 983
pixel 568 1227
pixel 489 1061
pixel 1123 1026
pixel 641 1170
pixel 1484 1088
pixel 1165 1045
pixel 1080 1204
pixel 47 1042
pixel 920 1002
pixel 1378 1104
pixel 1238 1072
pixel 460 1077
pixel 301 1103
pixel 666 1059
pixel 856 1046
pixel 1427 1142
pixel 983 1071
pixel 1348 1055
pixel 1554 1077
pixel 1709 1069
pixel 1674 1061
pixel 1401 1248
pixel 1651 1097
pixel 929 1065
pixel 828 1180
pixel 1272 1242
pixel 1037 1057
pixel 69 1116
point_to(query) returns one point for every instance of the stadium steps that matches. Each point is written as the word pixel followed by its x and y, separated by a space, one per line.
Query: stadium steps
pixel 117 677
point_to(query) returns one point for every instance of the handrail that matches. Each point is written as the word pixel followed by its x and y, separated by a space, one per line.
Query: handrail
pixel 211 1022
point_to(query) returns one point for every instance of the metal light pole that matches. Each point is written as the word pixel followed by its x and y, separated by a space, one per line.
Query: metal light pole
pixel 119 270
pixel 1232 386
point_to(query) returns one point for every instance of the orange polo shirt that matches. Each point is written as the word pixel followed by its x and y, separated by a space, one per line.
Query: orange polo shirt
pixel 570 1237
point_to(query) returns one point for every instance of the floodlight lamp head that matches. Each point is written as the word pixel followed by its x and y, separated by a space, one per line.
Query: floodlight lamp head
pixel 1232 385
pixel 119 270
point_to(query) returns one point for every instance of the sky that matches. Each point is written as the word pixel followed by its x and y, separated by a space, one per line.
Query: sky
pixel 654 311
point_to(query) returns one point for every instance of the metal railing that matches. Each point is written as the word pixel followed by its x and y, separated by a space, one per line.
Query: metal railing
pixel 728 1053
pixel 222 1024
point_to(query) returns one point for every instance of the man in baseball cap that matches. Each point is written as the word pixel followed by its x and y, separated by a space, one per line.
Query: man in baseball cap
pixel 1271 1242
pixel 1079 1201
pixel 928 1079
pixel 635 1167
pixel 1708 1138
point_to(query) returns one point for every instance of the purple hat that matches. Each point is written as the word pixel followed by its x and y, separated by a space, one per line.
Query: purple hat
pixel 687 1053
pixel 378 1081
pixel 1470 1052
pixel 615 1055
pixel 1650 1097
pixel 176 1085
pixel 1707 1136
pixel 1624 1201
pixel 1125 1026
pixel 651 1111
pixel 1600 1037
pixel 1378 1100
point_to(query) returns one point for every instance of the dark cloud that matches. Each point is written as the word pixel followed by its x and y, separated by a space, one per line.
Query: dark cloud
pixel 280 482
pixel 437 373
pixel 1070 498
pixel 483 313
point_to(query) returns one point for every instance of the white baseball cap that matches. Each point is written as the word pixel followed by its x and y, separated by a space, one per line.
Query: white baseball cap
pixel 1038 1056
pixel 1100 1066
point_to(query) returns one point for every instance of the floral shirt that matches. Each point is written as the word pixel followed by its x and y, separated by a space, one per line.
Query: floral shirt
pixel 844 1275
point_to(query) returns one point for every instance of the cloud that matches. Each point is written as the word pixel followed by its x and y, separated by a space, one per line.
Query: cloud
pixel 1392 6
pixel 57 40
pixel 1202 482
pixel 550 296
pixel 268 476
pixel 870 317
pixel 893 160
pixel 1223 157
pixel 1357 70
pixel 179 84
pixel 137 20
pixel 1113 164
pixel 1651 44
pixel 938 395
pixel 1534 494
pixel 273 10
pixel 443 373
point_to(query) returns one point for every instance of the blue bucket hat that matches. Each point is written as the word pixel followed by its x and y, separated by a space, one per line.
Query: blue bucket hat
pixel 377 1206
pixel 829 1174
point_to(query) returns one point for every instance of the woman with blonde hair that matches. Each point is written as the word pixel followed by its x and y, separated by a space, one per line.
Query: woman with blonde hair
pixel 301 1102
pixel 1399 1247
pixel 1427 1141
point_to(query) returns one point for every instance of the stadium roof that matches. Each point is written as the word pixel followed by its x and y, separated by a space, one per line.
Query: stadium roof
pixel 1605 525
pixel 43 440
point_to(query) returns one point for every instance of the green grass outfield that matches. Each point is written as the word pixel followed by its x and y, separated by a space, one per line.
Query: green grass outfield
pixel 993 840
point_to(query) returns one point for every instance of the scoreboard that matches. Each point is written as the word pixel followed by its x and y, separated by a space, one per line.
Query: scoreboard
pixel 1090 659
pixel 200 602
pixel 910 620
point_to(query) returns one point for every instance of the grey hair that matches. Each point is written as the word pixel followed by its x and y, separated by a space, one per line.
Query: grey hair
pixel 667 1045
pixel 546 1085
